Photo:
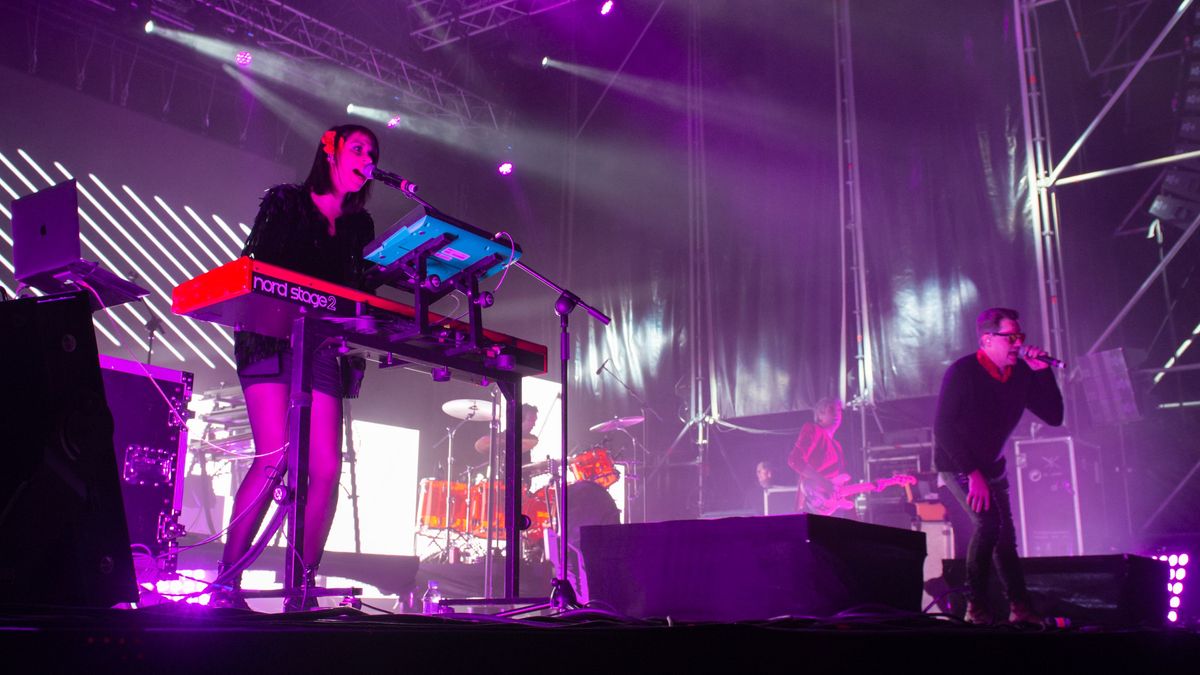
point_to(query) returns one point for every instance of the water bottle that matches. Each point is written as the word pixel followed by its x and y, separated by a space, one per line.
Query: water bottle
pixel 431 602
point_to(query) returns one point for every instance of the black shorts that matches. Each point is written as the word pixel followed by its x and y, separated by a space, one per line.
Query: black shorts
pixel 326 371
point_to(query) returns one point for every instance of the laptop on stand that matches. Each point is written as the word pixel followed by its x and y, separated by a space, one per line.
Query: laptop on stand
pixel 46 253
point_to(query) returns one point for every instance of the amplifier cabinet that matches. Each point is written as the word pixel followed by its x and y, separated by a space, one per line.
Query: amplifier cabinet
pixel 150 407
pixel 1058 485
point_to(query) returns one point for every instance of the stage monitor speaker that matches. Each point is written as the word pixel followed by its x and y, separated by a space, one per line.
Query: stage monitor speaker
pixel 63 539
pixel 1119 591
pixel 736 569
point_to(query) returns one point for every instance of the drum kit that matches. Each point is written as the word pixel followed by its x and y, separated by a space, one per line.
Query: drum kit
pixel 464 515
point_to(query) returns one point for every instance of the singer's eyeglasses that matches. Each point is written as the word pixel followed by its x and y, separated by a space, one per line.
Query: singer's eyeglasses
pixel 1012 337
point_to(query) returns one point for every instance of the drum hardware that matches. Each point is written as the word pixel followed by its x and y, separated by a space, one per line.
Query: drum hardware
pixel 466 410
pixel 640 448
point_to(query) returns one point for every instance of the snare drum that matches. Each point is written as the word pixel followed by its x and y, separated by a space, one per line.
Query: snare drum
pixel 432 513
pixel 478 519
pixel 596 466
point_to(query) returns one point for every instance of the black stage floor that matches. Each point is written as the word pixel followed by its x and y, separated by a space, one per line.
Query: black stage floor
pixel 186 638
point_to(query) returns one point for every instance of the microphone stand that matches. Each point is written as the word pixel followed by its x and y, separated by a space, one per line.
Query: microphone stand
pixel 635 479
pixel 562 595
pixel 152 326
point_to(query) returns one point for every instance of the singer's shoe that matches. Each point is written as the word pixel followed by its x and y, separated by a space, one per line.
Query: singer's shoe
pixel 306 602
pixel 1021 612
pixel 978 614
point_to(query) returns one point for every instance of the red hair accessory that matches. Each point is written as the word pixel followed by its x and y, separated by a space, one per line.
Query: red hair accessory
pixel 327 141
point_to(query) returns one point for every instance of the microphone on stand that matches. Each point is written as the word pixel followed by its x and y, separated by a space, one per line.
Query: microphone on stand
pixel 390 179
pixel 602 365
pixel 1044 358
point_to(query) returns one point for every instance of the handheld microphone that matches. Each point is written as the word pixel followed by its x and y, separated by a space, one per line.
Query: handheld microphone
pixel 602 365
pixel 1044 358
pixel 389 179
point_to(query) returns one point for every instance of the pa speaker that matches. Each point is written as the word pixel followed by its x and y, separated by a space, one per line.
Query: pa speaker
pixel 63 538
pixel 735 569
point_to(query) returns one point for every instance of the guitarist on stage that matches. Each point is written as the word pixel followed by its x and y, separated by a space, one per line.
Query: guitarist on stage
pixel 817 458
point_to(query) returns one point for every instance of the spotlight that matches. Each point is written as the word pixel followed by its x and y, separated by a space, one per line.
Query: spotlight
pixel 606 8
pixel 545 61
pixel 394 122
pixel 1183 557
pixel 505 168
pixel 349 108
pixel 243 59
pixel 149 26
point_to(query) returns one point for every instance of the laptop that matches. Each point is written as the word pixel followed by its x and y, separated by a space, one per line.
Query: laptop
pixel 46 253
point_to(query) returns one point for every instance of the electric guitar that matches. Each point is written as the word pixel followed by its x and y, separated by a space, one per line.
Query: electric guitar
pixel 819 501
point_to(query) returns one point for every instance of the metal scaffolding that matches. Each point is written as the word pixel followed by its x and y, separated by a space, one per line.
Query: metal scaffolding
pixel 441 22
pixel 289 32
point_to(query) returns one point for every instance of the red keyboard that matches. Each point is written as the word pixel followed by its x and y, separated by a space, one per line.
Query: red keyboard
pixel 250 295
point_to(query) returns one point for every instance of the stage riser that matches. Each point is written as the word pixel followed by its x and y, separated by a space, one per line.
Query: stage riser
pixel 1098 590
pixel 736 569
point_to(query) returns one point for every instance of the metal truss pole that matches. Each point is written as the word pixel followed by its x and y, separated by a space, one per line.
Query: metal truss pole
pixel 292 33
pixel 855 299
pixel 1042 209
pixel 704 390
pixel 441 22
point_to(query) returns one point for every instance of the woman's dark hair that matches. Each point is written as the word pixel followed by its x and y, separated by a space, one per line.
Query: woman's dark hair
pixel 319 180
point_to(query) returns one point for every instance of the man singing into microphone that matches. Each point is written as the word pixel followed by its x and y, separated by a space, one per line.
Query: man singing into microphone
pixel 983 396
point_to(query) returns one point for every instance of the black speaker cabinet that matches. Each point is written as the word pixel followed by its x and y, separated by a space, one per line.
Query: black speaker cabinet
pixel 735 569
pixel 62 524
pixel 1093 590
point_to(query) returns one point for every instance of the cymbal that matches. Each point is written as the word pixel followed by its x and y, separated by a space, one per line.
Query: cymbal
pixel 618 423
pixel 485 443
pixel 471 409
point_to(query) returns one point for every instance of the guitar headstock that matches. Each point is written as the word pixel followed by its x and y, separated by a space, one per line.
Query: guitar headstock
pixel 899 479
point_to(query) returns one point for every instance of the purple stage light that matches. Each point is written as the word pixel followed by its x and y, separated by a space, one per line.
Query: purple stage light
pixel 1177 589
pixel 1174 602
pixel 505 168
pixel 1172 616
pixel 606 8
pixel 243 59
pixel 1180 573
pixel 394 122
pixel 1173 560
pixel 1183 559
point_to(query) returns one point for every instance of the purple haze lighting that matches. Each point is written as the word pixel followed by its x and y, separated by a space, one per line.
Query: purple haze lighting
pixel 394 122
pixel 243 59
pixel 505 168
pixel 606 7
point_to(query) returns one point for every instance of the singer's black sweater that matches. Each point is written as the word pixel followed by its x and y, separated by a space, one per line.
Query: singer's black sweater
pixel 289 231
pixel 976 413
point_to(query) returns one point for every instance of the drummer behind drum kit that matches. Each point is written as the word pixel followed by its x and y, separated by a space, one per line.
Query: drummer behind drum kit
pixel 453 515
